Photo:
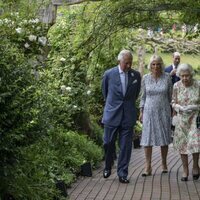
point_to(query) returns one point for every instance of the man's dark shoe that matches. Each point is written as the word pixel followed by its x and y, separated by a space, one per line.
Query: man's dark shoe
pixel 184 178
pixel 106 173
pixel 123 180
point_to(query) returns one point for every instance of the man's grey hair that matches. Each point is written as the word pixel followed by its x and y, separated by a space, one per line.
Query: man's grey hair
pixel 156 58
pixel 123 53
pixel 175 54
pixel 184 67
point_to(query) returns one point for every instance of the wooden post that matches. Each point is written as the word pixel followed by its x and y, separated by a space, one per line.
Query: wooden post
pixel 48 14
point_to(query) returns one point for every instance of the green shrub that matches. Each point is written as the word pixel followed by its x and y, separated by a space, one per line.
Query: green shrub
pixel 56 157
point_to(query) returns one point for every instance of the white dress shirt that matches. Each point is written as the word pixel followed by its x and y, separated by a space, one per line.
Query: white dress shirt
pixel 124 80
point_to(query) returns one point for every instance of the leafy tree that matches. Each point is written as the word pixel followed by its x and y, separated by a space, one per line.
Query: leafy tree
pixel 87 39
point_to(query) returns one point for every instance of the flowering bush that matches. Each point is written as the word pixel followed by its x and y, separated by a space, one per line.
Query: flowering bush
pixel 35 108
pixel 29 34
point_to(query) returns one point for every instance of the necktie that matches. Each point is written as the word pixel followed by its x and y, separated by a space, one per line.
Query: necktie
pixel 125 83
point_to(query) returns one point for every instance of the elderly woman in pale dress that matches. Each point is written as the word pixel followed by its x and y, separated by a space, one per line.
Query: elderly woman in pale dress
pixel 155 112
pixel 186 103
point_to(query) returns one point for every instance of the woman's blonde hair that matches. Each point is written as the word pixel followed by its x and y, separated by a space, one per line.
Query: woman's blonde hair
pixel 156 57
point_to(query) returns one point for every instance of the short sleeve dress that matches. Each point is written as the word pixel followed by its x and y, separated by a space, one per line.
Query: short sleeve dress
pixel 186 135
pixel 155 102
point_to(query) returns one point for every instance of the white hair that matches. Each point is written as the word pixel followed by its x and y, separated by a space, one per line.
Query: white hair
pixel 175 54
pixel 156 58
pixel 184 67
pixel 123 53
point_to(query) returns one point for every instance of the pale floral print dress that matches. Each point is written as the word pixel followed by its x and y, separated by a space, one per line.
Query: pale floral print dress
pixel 155 101
pixel 186 135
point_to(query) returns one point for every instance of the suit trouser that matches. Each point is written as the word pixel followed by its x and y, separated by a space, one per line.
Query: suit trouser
pixel 125 145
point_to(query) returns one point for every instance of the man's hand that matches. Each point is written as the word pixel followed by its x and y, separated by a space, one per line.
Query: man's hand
pixel 186 110
pixel 177 107
pixel 141 116
pixel 173 72
pixel 190 108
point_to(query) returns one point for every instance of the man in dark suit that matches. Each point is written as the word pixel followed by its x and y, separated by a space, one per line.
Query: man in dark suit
pixel 120 87
pixel 172 71
pixel 172 68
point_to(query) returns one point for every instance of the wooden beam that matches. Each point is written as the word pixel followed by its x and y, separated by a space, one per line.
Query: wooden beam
pixel 48 13
pixel 69 2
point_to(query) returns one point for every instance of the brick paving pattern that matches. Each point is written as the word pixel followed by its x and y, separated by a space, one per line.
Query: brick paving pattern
pixel 158 186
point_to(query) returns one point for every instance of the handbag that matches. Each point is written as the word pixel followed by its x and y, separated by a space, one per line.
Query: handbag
pixel 198 121
pixel 175 120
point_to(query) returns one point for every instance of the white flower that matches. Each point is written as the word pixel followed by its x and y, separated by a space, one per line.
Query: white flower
pixel 37 20
pixel 14 14
pixel 42 40
pixel 34 21
pixel 32 38
pixel 88 92
pixel 26 45
pixel 68 89
pixel 19 30
pixel 62 59
pixel 24 21
pixel 72 59
pixel 63 87
pixel 6 20
pixel 74 106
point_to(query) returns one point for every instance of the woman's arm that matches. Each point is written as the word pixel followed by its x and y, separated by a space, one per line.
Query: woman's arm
pixel 176 107
pixel 143 98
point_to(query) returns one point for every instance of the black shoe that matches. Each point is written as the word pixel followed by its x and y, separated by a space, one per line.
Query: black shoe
pixel 123 180
pixel 164 171
pixel 106 173
pixel 195 176
pixel 184 178
pixel 144 174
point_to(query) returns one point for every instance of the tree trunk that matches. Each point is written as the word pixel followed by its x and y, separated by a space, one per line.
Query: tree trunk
pixel 141 56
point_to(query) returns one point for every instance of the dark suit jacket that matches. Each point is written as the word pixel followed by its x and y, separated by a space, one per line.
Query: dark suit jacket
pixel 120 108
pixel 174 77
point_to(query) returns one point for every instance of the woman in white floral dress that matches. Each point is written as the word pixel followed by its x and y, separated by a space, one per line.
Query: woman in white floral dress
pixel 155 112
pixel 186 103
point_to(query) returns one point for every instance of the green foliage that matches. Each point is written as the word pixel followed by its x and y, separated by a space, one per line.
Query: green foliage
pixel 34 152
pixel 50 103
pixel 138 129
pixel 100 31
pixel 20 117
pixel 53 158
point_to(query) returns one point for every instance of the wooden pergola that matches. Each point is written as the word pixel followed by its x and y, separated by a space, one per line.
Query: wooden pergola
pixel 48 14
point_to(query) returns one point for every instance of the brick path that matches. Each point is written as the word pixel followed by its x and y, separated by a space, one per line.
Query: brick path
pixel 158 186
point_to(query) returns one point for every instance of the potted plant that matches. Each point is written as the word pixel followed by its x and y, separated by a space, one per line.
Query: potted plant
pixel 86 169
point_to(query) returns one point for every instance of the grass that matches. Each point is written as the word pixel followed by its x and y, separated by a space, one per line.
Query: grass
pixel 185 58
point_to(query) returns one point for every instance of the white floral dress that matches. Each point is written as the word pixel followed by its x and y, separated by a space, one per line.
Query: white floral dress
pixel 186 135
pixel 155 102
